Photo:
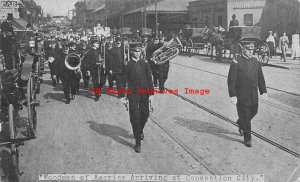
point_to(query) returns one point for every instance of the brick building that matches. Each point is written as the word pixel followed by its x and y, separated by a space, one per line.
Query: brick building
pixel 82 12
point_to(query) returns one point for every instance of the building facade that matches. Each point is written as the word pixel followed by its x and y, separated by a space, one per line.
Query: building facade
pixel 81 13
pixel 219 12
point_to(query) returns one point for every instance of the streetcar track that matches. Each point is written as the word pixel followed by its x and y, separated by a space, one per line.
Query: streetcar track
pixel 262 101
pixel 279 90
pixel 270 141
pixel 190 151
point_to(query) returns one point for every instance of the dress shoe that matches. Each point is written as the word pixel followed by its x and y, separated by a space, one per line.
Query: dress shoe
pixel 248 143
pixel 67 101
pixel 137 147
pixel 142 136
pixel 97 97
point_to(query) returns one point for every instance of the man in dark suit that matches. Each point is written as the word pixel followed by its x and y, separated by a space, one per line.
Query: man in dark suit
pixel 233 22
pixel 139 92
pixel 6 46
pixel 149 52
pixel 244 77
pixel 116 65
pixel 92 64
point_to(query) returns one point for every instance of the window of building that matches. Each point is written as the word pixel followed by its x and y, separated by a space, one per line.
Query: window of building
pixel 248 19
pixel 220 20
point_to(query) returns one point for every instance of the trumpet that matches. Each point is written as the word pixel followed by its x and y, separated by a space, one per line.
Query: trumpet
pixel 126 52
pixel 167 52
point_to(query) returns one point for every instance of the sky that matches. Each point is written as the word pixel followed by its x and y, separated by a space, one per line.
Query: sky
pixel 56 7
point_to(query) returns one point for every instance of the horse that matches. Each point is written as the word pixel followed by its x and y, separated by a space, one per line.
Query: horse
pixel 216 40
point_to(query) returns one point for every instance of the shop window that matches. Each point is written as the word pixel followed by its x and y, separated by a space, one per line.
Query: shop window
pixel 248 19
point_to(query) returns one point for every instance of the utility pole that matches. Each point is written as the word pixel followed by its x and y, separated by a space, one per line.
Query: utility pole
pixel 156 23
pixel 145 14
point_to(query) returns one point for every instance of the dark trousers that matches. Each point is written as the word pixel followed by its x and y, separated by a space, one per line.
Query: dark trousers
pixel 95 76
pixel 154 70
pixel 69 87
pixel 163 71
pixel 118 77
pixel 138 114
pixel 246 113
pixel 54 72
pixel 96 81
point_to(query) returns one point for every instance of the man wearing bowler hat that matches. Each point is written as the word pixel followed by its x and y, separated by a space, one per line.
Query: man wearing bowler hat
pixel 139 78
pixel 244 77
pixel 6 45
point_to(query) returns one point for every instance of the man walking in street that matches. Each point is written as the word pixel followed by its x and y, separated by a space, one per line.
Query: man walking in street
pixel 283 44
pixel 138 76
pixel 244 77
pixel 116 65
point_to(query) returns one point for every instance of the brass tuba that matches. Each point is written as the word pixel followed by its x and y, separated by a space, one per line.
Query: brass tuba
pixel 167 52
pixel 73 61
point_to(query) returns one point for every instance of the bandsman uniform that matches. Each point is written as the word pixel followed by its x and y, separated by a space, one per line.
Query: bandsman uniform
pixel 244 77
pixel 138 76
pixel 91 62
pixel 116 65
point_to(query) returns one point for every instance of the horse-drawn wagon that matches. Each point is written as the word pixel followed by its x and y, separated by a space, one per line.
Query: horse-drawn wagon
pixel 16 91
pixel 194 41
pixel 239 35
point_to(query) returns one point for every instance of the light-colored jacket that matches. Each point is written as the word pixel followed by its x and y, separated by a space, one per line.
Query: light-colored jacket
pixel 283 42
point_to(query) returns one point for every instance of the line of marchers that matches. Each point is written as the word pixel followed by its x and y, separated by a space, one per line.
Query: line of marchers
pixel 150 91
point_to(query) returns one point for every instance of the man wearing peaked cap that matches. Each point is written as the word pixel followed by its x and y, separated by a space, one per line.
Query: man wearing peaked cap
pixel 116 65
pixel 138 76
pixel 8 33
pixel 244 77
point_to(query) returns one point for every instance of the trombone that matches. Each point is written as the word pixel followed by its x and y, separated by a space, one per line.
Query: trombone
pixel 126 52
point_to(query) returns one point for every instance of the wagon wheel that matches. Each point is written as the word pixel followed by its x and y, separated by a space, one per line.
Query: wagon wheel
pixel 264 54
pixel 190 47
pixel 31 95
pixel 14 176
pixel 36 81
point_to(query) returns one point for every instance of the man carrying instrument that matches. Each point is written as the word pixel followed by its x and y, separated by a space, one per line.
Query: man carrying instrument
pixel 74 50
pixel 116 65
pixel 92 63
pixel 244 77
pixel 140 85
pixel 67 76
pixel 149 52
pixel 163 69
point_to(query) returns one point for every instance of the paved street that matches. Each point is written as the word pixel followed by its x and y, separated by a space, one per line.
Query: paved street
pixel 96 137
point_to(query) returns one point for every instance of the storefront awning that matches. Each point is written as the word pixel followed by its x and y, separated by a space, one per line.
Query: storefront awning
pixel 165 7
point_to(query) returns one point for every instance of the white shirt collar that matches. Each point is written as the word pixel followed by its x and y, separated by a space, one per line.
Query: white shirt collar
pixel 136 60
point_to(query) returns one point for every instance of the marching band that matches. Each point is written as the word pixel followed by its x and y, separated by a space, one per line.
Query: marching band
pixel 126 59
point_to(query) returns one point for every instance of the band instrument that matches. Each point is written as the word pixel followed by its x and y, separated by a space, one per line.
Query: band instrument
pixel 167 52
